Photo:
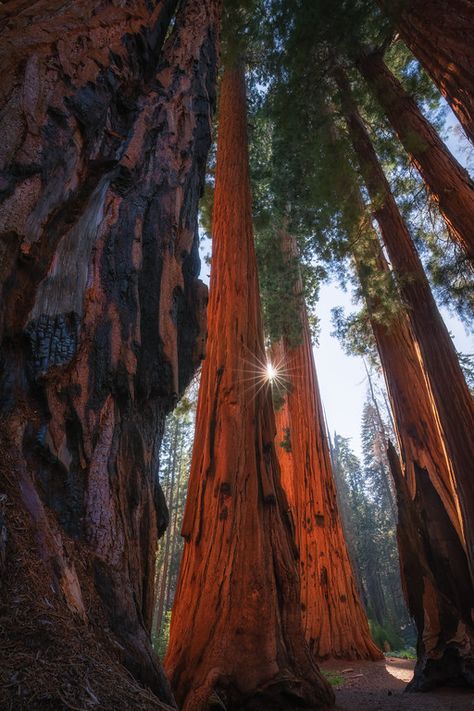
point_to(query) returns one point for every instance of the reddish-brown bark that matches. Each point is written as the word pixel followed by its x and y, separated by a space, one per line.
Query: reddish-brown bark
pixel 447 181
pixel 415 419
pixel 334 621
pixel 419 435
pixel 440 35
pixel 452 400
pixel 105 132
pixel 236 635
pixel 436 584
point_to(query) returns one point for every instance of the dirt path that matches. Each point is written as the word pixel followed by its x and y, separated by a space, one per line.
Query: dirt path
pixel 379 686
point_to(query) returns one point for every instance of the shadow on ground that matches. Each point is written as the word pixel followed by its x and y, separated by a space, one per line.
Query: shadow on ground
pixel 380 686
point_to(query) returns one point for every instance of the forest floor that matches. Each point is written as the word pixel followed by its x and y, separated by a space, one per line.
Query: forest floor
pixel 380 686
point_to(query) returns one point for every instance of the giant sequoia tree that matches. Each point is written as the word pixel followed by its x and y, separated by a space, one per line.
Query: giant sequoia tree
pixel 439 34
pixel 439 356
pixel 334 620
pixel 448 183
pixel 105 131
pixel 236 633
pixel 436 484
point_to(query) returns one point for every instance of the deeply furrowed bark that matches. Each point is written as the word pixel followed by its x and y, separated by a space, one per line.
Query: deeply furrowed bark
pixel 444 377
pixel 447 181
pixel 236 639
pixel 436 585
pixel 334 621
pixel 441 36
pixel 105 135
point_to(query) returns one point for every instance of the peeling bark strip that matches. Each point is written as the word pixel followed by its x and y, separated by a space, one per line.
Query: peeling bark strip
pixel 334 621
pixel 441 604
pixel 452 400
pixel 447 181
pixel 236 640
pixel 441 36
pixel 105 134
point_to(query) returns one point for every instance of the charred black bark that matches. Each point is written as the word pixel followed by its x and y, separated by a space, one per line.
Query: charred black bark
pixel 105 138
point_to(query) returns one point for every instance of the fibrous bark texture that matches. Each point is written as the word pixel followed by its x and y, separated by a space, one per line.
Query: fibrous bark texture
pixel 236 639
pixel 105 132
pixel 440 35
pixel 419 435
pixel 443 372
pixel 436 584
pixel 334 621
pixel 447 181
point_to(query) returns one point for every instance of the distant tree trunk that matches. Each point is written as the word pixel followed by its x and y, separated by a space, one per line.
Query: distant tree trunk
pixel 105 133
pixel 441 603
pixel 381 433
pixel 334 620
pixel 236 634
pixel 175 540
pixel 164 577
pixel 441 36
pixel 447 181
pixel 443 372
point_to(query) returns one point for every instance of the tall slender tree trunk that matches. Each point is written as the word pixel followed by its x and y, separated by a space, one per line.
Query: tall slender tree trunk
pixel 175 542
pixel 438 594
pixel 382 433
pixel 447 181
pixel 236 632
pixel 452 401
pixel 105 132
pixel 164 577
pixel 334 621
pixel 440 35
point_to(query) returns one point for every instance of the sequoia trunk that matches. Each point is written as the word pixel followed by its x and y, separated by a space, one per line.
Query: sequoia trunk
pixel 334 621
pixel 444 375
pixel 105 133
pixel 440 36
pixel 426 472
pixel 236 637
pixel 447 181
pixel 437 588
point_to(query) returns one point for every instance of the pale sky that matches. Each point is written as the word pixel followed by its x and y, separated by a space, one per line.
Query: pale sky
pixel 342 378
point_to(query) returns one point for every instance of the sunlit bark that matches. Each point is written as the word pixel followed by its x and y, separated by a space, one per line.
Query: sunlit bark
pixel 236 630
pixel 447 181
pixel 334 621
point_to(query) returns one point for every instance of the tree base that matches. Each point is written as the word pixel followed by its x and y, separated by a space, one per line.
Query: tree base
pixel 452 669
pixel 280 694
pixel 51 658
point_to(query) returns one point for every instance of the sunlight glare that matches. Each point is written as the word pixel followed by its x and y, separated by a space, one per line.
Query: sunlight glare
pixel 271 372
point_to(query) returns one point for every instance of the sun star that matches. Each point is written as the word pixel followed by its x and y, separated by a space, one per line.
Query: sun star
pixel 271 372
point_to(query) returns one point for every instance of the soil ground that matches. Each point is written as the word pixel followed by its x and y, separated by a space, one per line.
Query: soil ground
pixel 380 686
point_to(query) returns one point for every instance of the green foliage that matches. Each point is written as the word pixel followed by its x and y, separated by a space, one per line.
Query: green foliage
pixel 354 333
pixel 286 441
pixel 175 462
pixel 334 678
pixel 367 504
pixel 278 275
pixel 386 637
pixel 160 644
pixel 408 653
